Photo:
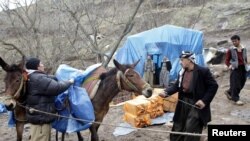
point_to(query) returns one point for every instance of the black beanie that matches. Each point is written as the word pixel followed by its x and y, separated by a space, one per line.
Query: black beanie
pixel 32 63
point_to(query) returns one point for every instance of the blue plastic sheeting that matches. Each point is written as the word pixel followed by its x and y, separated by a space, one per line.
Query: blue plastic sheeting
pixel 65 72
pixel 80 105
pixel 2 108
pixel 125 128
pixel 163 41
pixel 11 119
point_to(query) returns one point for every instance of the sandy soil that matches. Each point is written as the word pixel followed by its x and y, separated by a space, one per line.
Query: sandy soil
pixel 223 112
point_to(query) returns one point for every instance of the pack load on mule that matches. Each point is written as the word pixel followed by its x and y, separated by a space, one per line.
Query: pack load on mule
pixel 122 77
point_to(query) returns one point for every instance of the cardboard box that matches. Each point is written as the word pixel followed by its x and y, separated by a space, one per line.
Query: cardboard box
pixel 137 121
pixel 136 107
pixel 142 105
pixel 156 112
pixel 169 103
pixel 154 100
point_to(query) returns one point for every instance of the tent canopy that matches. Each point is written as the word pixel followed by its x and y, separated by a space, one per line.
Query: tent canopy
pixel 167 40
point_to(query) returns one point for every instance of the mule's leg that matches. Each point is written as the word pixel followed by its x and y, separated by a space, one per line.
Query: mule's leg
pixel 56 135
pixel 93 129
pixel 80 138
pixel 19 130
pixel 63 135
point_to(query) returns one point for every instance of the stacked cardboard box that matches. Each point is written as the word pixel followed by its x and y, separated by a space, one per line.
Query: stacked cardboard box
pixel 169 103
pixel 140 110
pixel 155 107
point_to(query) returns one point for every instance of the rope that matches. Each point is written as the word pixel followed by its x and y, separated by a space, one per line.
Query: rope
pixel 120 76
pixel 192 105
pixel 18 92
pixel 112 125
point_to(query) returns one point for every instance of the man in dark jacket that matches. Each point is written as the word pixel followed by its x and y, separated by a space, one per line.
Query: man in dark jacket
pixel 41 92
pixel 196 88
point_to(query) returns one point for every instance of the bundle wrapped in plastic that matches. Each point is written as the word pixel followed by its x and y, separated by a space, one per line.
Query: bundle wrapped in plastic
pixel 155 106
pixel 137 121
pixel 169 103
pixel 136 107
pixel 156 112
pixel 140 110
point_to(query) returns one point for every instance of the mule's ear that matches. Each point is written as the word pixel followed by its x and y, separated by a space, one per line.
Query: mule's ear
pixel 3 64
pixel 133 65
pixel 117 65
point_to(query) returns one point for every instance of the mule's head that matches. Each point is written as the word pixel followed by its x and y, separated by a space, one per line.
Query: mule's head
pixel 13 80
pixel 130 80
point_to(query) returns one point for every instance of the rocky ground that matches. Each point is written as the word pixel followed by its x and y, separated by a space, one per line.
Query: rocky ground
pixel 223 112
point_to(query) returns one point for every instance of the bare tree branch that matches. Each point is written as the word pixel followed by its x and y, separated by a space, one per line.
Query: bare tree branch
pixel 126 30
pixel 72 43
pixel 198 17
pixel 13 46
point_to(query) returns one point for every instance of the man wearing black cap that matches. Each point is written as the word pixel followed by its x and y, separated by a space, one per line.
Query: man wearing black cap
pixel 196 88
pixel 41 92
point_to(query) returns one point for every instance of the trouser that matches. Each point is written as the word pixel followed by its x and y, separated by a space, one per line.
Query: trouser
pixel 40 132
pixel 164 78
pixel 237 82
pixel 149 77
pixel 188 121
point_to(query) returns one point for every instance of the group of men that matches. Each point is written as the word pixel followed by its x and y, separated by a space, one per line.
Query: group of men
pixel 197 87
pixel 149 71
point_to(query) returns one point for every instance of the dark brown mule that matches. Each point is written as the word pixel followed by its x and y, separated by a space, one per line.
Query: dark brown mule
pixel 122 77
pixel 14 82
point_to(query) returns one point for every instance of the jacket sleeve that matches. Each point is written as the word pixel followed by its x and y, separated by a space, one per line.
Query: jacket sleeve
pixel 211 87
pixel 53 77
pixel 54 87
pixel 173 89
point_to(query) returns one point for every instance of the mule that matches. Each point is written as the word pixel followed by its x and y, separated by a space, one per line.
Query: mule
pixel 14 91
pixel 122 77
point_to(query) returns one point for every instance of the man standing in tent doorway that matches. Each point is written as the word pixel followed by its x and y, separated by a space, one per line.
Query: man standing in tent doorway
pixel 164 74
pixel 149 70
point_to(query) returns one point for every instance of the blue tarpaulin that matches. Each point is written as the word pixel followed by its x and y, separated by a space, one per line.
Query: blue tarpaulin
pixel 163 41
pixel 79 103
pixel 11 121
pixel 2 108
